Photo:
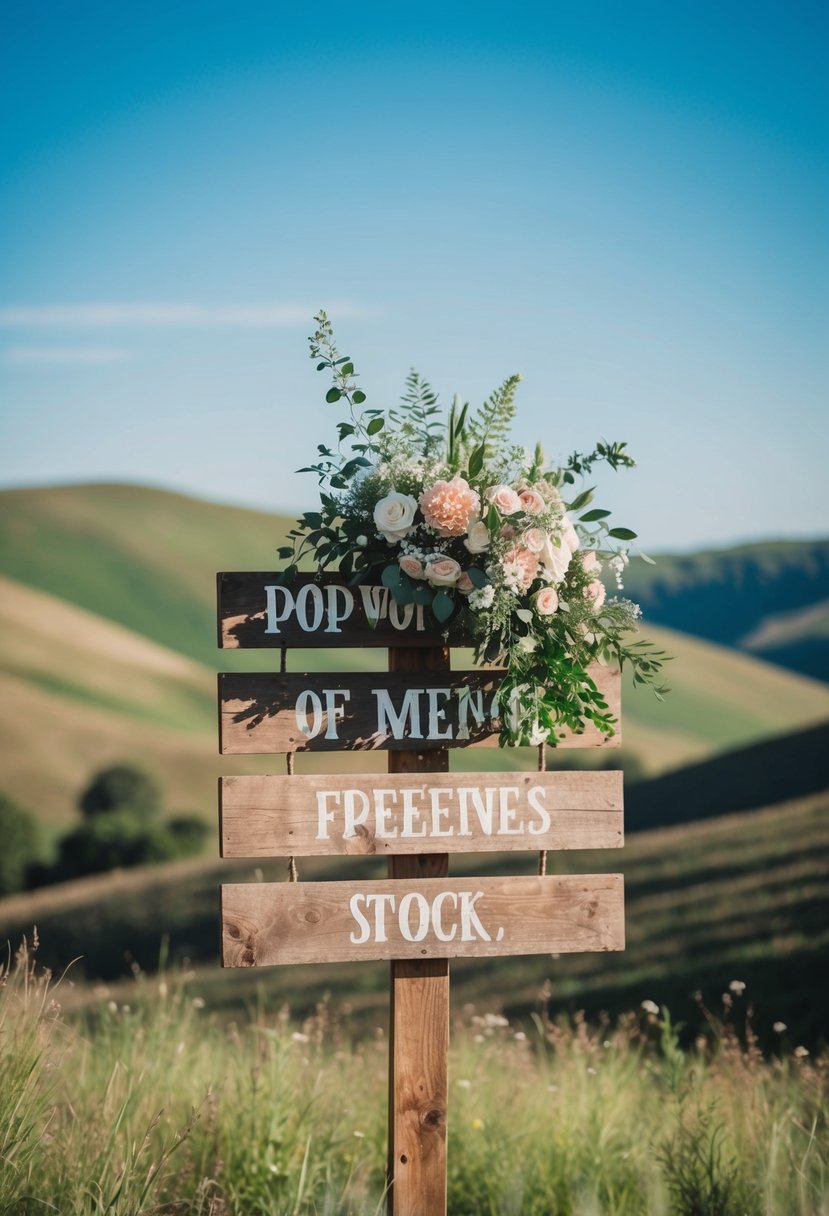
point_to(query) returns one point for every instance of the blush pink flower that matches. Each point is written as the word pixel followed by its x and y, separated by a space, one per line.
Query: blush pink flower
pixel 450 506
pixel 523 564
pixel 531 501
pixel 596 592
pixel 443 571
pixel 505 499
pixel 465 584
pixel 546 601
pixel 411 566
pixel 534 539
pixel 590 562
pixel 569 535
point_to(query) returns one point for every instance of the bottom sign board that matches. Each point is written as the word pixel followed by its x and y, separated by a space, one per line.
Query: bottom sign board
pixel 317 922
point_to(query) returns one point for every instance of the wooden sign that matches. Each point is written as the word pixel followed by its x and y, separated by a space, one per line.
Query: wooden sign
pixel 369 813
pixel 265 924
pixel 257 611
pixel 274 712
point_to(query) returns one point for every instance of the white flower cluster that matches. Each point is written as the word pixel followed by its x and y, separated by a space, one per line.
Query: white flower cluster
pixel 617 565
pixel 483 598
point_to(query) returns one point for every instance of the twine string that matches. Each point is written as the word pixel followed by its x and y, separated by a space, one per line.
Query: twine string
pixel 542 768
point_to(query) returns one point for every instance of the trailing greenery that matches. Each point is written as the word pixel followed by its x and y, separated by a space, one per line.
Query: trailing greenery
pixel 154 1106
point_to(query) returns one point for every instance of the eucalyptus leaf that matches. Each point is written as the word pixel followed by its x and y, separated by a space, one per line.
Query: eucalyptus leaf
pixel 622 534
pixel 443 606
pixel 333 395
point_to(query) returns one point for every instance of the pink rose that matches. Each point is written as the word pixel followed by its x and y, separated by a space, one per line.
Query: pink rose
pixel 569 535
pixel 465 584
pixel 534 539
pixel 546 601
pixel 477 540
pixel 531 501
pixel 590 562
pixel 411 566
pixel 442 571
pixel 596 592
pixel 505 499
pixel 523 564
pixel 450 506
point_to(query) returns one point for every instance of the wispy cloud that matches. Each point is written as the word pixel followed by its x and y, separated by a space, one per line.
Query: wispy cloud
pixel 63 355
pixel 164 315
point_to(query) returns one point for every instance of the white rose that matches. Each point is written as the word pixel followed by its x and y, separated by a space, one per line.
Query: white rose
pixel 569 535
pixel 555 559
pixel 394 516
pixel 443 571
pixel 534 539
pixel 477 538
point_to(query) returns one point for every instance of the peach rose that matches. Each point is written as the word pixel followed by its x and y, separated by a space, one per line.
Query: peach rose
pixel 450 506
pixel 569 535
pixel 411 566
pixel 505 499
pixel 534 539
pixel 547 491
pixel 590 562
pixel 596 592
pixel 442 571
pixel 523 563
pixel 556 560
pixel 531 501
pixel 477 540
pixel 465 584
pixel 545 601
pixel 394 515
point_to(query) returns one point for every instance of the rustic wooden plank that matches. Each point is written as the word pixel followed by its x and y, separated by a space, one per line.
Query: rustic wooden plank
pixel 267 924
pixel 418 1010
pixel 369 813
pixel 321 610
pixel 318 711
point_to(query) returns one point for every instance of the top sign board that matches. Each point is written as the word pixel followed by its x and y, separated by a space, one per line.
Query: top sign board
pixel 321 610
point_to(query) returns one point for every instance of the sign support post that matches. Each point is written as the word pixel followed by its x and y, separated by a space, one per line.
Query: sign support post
pixel 419 1015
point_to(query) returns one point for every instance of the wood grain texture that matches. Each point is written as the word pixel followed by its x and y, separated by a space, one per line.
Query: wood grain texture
pixel 321 610
pixel 270 924
pixel 371 814
pixel 266 712
pixel 418 1010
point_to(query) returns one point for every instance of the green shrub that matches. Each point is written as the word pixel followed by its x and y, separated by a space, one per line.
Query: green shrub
pixel 121 787
pixel 20 846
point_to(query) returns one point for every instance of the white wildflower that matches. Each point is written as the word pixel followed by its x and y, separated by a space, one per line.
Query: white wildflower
pixel 737 987
pixel 650 1007
pixel 779 1027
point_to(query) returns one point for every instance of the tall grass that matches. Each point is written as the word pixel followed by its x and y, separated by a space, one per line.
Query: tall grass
pixel 160 1106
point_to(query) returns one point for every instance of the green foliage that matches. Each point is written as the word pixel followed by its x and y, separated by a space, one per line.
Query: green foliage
pixel 20 845
pixel 152 1104
pixel 121 787
pixel 421 419
pixel 490 424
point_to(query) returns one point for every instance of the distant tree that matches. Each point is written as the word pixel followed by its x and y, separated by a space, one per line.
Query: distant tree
pixel 121 787
pixel 188 833
pixel 119 839
pixel 20 846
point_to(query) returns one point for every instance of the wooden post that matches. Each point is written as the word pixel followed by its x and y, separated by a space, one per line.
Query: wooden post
pixel 419 1022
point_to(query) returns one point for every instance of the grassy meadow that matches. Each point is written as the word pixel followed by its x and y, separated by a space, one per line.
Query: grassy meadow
pixel 153 1104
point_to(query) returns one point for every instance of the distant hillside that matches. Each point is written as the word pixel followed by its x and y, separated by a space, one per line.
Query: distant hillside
pixel 762 774
pixel 107 648
pixel 770 599
pixel 742 897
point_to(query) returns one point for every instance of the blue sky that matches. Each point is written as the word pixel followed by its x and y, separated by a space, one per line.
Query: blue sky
pixel 625 202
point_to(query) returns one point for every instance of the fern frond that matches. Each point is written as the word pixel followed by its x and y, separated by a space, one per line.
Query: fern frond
pixel 420 419
pixel 492 421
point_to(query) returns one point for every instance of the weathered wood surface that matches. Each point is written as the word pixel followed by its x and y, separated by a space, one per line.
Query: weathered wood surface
pixel 266 924
pixel 418 1009
pixel 255 611
pixel 368 813
pixel 272 712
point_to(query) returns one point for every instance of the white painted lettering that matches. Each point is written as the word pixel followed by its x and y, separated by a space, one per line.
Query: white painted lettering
pixel 313 592
pixel 375 603
pixel 307 699
pixel 470 918
pixel 334 712
pixel 435 714
pixel 383 813
pixel 436 793
pixel 365 927
pixel 414 897
pixel 274 615
pixel 508 813
pixel 334 617
pixel 412 812
pixel 324 816
pixel 400 621
pixel 437 923
pixel 484 813
pixel 352 817
pixel 469 702
pixel 380 902
pixel 387 715
pixel 535 797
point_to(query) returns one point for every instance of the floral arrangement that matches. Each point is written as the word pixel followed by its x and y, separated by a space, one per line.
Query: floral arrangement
pixel 450 515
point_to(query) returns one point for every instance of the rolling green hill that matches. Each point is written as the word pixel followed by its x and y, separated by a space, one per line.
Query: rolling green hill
pixel 739 897
pixel 769 599
pixel 107 652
